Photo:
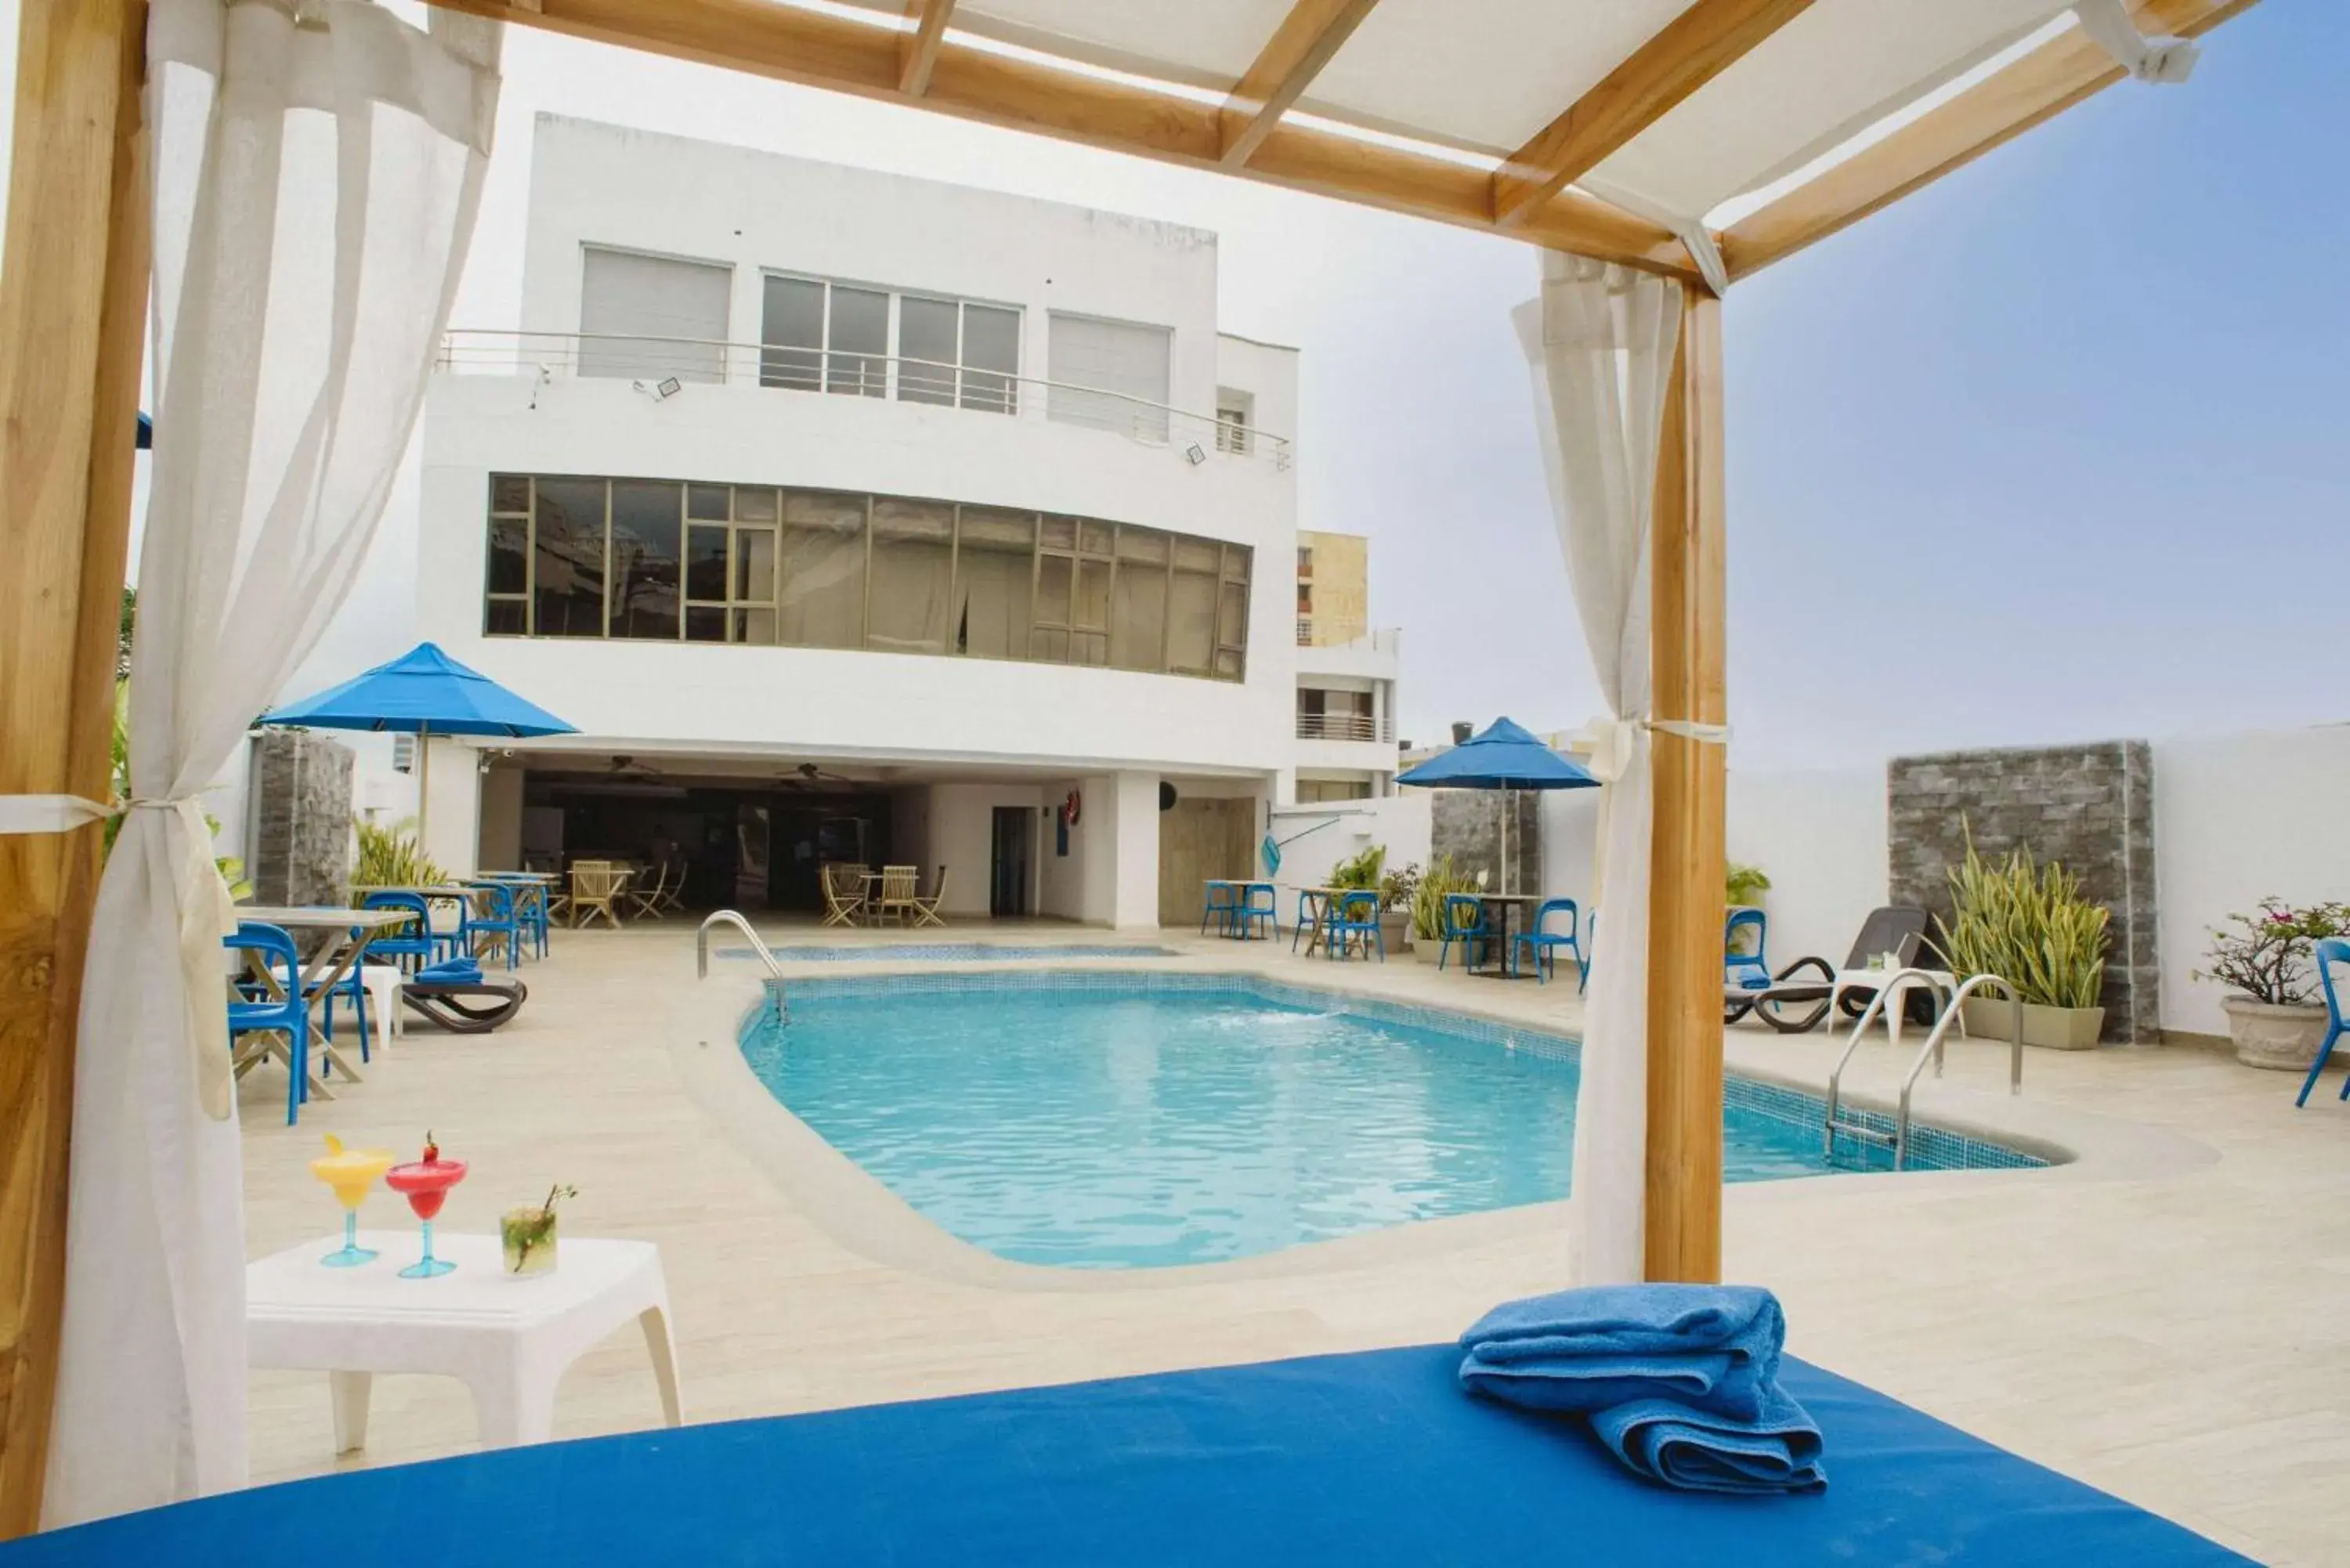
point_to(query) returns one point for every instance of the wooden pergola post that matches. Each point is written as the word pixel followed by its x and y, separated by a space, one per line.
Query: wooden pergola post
pixel 73 299
pixel 1686 899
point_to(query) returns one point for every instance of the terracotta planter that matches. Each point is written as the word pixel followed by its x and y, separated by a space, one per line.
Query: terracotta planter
pixel 2051 1028
pixel 2282 1039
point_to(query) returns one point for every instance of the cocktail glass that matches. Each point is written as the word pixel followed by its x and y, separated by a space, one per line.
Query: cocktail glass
pixel 425 1183
pixel 351 1172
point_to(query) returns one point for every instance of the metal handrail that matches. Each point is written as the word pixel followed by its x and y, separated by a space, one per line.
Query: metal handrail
pixel 1876 1006
pixel 728 917
pixel 846 372
pixel 1933 1048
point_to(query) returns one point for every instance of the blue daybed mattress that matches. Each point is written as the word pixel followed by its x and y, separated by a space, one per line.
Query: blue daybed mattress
pixel 1358 1460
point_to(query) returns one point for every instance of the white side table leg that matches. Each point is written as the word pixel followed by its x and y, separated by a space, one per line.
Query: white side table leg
pixel 662 1346
pixel 515 1405
pixel 1897 1002
pixel 351 1391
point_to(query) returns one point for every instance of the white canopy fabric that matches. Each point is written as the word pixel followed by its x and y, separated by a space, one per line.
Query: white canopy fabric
pixel 316 169
pixel 1600 342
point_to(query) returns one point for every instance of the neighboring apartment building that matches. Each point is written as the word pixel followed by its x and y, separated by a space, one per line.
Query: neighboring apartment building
pixel 1345 674
pixel 852 517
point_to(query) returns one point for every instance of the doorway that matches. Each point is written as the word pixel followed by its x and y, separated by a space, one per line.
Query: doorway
pixel 1008 860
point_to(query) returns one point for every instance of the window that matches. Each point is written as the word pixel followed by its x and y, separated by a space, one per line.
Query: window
pixel 661 560
pixel 1111 374
pixel 833 336
pixel 1313 792
pixel 1304 560
pixel 1306 598
pixel 648 318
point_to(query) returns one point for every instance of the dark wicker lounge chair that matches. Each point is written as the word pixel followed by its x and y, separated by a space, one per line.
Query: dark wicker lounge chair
pixel 464 1004
pixel 1793 1006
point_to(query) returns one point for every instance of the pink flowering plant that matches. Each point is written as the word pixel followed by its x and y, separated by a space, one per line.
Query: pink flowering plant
pixel 2265 954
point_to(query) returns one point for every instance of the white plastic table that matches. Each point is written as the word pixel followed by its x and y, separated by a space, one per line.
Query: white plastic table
pixel 508 1338
pixel 1939 982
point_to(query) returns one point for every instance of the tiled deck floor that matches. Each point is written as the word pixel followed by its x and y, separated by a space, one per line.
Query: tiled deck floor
pixel 2169 1333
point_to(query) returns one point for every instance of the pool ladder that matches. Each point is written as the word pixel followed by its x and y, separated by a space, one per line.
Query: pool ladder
pixel 729 917
pixel 1898 1138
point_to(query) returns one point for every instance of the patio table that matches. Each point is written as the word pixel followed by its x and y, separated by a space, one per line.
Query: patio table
pixel 508 1338
pixel 1315 914
pixel 1499 908
pixel 1241 888
pixel 345 934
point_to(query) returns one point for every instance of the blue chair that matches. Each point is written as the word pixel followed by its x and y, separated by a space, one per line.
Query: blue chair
pixel 1747 972
pixel 350 988
pixel 1542 944
pixel 2328 954
pixel 1251 910
pixel 1308 915
pixel 1465 922
pixel 1221 903
pixel 411 946
pixel 498 925
pixel 1354 915
pixel 287 1014
pixel 1591 944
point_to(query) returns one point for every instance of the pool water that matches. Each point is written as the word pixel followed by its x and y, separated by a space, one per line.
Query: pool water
pixel 950 952
pixel 1140 1122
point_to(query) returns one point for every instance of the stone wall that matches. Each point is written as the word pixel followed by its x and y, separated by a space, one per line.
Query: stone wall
pixel 300 847
pixel 2090 808
pixel 1466 823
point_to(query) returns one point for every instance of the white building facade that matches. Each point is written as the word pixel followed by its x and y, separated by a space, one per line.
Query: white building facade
pixel 851 516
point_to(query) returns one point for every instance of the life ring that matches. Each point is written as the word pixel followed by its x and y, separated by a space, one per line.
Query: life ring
pixel 1071 807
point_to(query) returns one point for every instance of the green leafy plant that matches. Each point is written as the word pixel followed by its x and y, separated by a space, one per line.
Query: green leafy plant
pixel 1360 872
pixel 1744 882
pixel 2028 924
pixel 1441 880
pixel 391 857
pixel 1398 889
pixel 2266 955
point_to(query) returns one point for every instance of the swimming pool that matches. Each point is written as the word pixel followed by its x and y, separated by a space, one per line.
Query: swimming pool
pixel 950 952
pixel 1134 1120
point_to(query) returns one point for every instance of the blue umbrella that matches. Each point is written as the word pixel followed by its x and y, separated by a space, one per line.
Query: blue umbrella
pixel 1505 757
pixel 422 692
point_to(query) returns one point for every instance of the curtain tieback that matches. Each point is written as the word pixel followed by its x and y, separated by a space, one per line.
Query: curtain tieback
pixel 1618 738
pixel 2108 25
pixel 207 914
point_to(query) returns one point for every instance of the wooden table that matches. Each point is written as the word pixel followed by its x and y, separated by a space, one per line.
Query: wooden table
pixel 345 933
pixel 1498 908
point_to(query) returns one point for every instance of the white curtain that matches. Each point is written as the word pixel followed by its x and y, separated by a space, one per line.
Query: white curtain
pixel 1600 343
pixel 317 171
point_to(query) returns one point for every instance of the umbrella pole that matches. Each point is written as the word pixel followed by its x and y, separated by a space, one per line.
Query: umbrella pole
pixel 423 786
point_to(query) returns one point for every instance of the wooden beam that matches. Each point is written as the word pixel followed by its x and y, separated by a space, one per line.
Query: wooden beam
pixel 72 329
pixel 1683 1189
pixel 2044 83
pixel 919 50
pixel 1292 58
pixel 817 49
pixel 1694 47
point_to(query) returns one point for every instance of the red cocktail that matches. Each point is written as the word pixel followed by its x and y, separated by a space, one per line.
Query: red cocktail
pixel 425 1183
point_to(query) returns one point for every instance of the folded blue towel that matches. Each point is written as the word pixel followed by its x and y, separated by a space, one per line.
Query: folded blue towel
pixel 1776 1451
pixel 1713 1347
pixel 452 972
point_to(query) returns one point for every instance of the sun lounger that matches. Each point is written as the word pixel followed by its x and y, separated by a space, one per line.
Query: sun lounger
pixel 1893 930
pixel 459 998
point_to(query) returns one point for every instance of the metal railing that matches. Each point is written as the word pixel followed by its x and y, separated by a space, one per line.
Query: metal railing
pixel 1932 1049
pixel 664 366
pixel 758 947
pixel 1344 727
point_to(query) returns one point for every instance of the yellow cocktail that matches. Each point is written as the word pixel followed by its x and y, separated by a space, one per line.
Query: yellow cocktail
pixel 351 1172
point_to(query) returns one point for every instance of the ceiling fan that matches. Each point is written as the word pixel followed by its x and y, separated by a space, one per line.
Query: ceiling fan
pixel 808 773
pixel 627 767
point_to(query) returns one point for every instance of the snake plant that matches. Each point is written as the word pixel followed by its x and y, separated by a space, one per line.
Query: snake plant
pixel 2027 923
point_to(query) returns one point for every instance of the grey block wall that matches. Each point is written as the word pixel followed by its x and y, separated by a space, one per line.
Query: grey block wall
pixel 299 851
pixel 1466 823
pixel 2090 808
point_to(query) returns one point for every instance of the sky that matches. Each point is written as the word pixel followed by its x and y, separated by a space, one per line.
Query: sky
pixel 2056 450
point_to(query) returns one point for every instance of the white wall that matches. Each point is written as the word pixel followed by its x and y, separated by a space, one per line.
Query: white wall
pixel 2237 818
pixel 1820 836
pixel 1401 822
pixel 1570 829
pixel 1135 894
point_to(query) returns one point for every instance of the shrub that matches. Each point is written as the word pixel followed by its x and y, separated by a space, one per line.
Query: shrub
pixel 2027 924
pixel 390 858
pixel 1744 882
pixel 2266 955
pixel 1441 878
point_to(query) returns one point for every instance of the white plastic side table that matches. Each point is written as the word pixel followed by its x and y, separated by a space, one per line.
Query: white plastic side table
pixel 509 1338
pixel 1939 982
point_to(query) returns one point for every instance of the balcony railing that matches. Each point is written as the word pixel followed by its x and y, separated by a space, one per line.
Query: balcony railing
pixel 664 367
pixel 1344 727
pixel 1386 639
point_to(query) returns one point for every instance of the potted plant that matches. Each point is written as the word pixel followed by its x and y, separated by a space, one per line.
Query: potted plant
pixel 2273 1015
pixel 1397 891
pixel 1367 873
pixel 1743 886
pixel 1441 879
pixel 2029 925
pixel 528 1234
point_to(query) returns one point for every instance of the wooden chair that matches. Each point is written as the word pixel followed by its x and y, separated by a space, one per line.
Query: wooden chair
pixel 652 901
pixel 595 890
pixel 926 910
pixel 843 892
pixel 897 900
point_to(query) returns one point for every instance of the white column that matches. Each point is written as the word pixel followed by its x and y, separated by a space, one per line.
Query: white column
pixel 452 813
pixel 1135 835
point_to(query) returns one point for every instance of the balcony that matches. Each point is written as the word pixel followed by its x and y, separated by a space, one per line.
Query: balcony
pixel 660 367
pixel 1345 727
pixel 1376 656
